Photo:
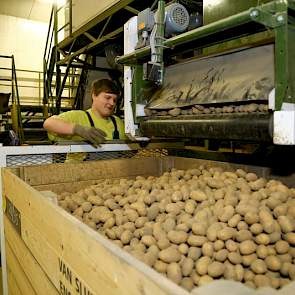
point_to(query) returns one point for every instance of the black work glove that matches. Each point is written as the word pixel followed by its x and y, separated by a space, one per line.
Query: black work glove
pixel 94 135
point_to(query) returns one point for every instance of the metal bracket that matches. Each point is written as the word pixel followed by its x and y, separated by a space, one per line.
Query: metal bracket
pixel 268 19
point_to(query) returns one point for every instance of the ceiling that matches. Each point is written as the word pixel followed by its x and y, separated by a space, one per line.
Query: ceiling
pixel 37 10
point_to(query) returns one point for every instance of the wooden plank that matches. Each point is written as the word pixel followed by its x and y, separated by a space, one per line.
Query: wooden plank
pixel 13 288
pixel 31 267
pixel 61 173
pixel 15 269
pixel 105 267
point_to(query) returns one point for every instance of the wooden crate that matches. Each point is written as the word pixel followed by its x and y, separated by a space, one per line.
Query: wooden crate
pixel 51 252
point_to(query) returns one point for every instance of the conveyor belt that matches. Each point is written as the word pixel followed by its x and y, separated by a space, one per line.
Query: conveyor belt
pixel 242 127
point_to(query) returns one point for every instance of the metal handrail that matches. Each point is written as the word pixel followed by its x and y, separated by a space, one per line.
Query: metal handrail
pixel 51 55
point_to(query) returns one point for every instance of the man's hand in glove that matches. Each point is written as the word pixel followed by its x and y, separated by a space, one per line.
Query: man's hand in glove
pixel 94 135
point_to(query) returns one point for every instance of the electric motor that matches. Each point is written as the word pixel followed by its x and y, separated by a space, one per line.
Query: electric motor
pixel 176 19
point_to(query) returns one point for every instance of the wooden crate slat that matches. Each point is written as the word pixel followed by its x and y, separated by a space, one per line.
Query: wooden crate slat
pixel 15 270
pixel 31 267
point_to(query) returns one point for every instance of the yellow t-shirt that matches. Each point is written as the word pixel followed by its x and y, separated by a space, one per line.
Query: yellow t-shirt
pixel 79 117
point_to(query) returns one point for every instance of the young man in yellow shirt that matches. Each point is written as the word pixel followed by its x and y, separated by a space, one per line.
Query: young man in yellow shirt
pixel 95 125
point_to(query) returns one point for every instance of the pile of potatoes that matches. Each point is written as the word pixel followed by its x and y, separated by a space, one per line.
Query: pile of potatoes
pixel 153 153
pixel 200 109
pixel 197 225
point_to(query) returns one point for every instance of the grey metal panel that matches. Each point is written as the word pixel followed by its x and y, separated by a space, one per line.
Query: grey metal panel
pixel 240 76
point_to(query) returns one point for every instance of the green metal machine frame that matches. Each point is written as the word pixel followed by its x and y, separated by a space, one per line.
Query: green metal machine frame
pixel 276 22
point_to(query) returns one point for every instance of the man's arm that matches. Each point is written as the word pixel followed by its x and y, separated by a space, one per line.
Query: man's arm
pixel 93 135
pixel 59 126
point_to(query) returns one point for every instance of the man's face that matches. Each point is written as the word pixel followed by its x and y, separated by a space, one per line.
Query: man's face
pixel 104 103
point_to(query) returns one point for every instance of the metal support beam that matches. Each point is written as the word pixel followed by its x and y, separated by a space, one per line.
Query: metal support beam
pixel 131 9
pixel 89 36
pixel 90 46
pixel 104 27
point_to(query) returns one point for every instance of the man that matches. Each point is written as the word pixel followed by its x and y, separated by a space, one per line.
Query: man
pixel 95 125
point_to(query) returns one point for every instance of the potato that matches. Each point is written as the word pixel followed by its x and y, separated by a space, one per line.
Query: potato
pixel 286 224
pixel 198 195
pixel 218 245
pixel 148 240
pixel 290 238
pixel 177 237
pixel 190 206
pixel 202 265
pixel 249 275
pixel 221 255
pixel 233 222
pixel 256 228
pixel 248 259
pixel 226 214
pixel 163 243
pixel 152 212
pixel 229 272
pixel 199 228
pixel 205 280
pixel 239 272
pixel 194 240
pixel 231 245
pixel 187 266
pixel 150 259
pixel 216 269
pixel 109 223
pixel 257 184
pixel 273 263
pixel 126 236
pixel 194 253
pixel 251 177
pixel 247 247
pixel 187 283
pixel 160 266
pixel 261 281
pixel 262 251
pixel 183 248
pixel 234 258
pixel 251 218
pixel 262 239
pixel 169 224
pixel 174 272
pixel 258 266
pixel 169 255
pixel 182 227
pixel 282 247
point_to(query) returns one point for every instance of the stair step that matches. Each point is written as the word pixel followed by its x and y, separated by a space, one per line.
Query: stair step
pixel 33 117
pixel 34 130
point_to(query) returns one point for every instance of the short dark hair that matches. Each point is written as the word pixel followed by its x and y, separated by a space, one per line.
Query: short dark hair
pixel 104 85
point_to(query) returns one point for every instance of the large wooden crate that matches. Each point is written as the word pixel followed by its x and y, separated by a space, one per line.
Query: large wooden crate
pixel 51 252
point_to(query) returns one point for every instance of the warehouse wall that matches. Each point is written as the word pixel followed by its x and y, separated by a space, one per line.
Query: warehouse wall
pixel 25 39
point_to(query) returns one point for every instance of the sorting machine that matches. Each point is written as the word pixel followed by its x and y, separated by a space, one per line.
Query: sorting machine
pixel 230 76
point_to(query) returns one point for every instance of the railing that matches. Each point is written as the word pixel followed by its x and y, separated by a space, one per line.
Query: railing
pixel 15 107
pixel 31 86
pixel 52 54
